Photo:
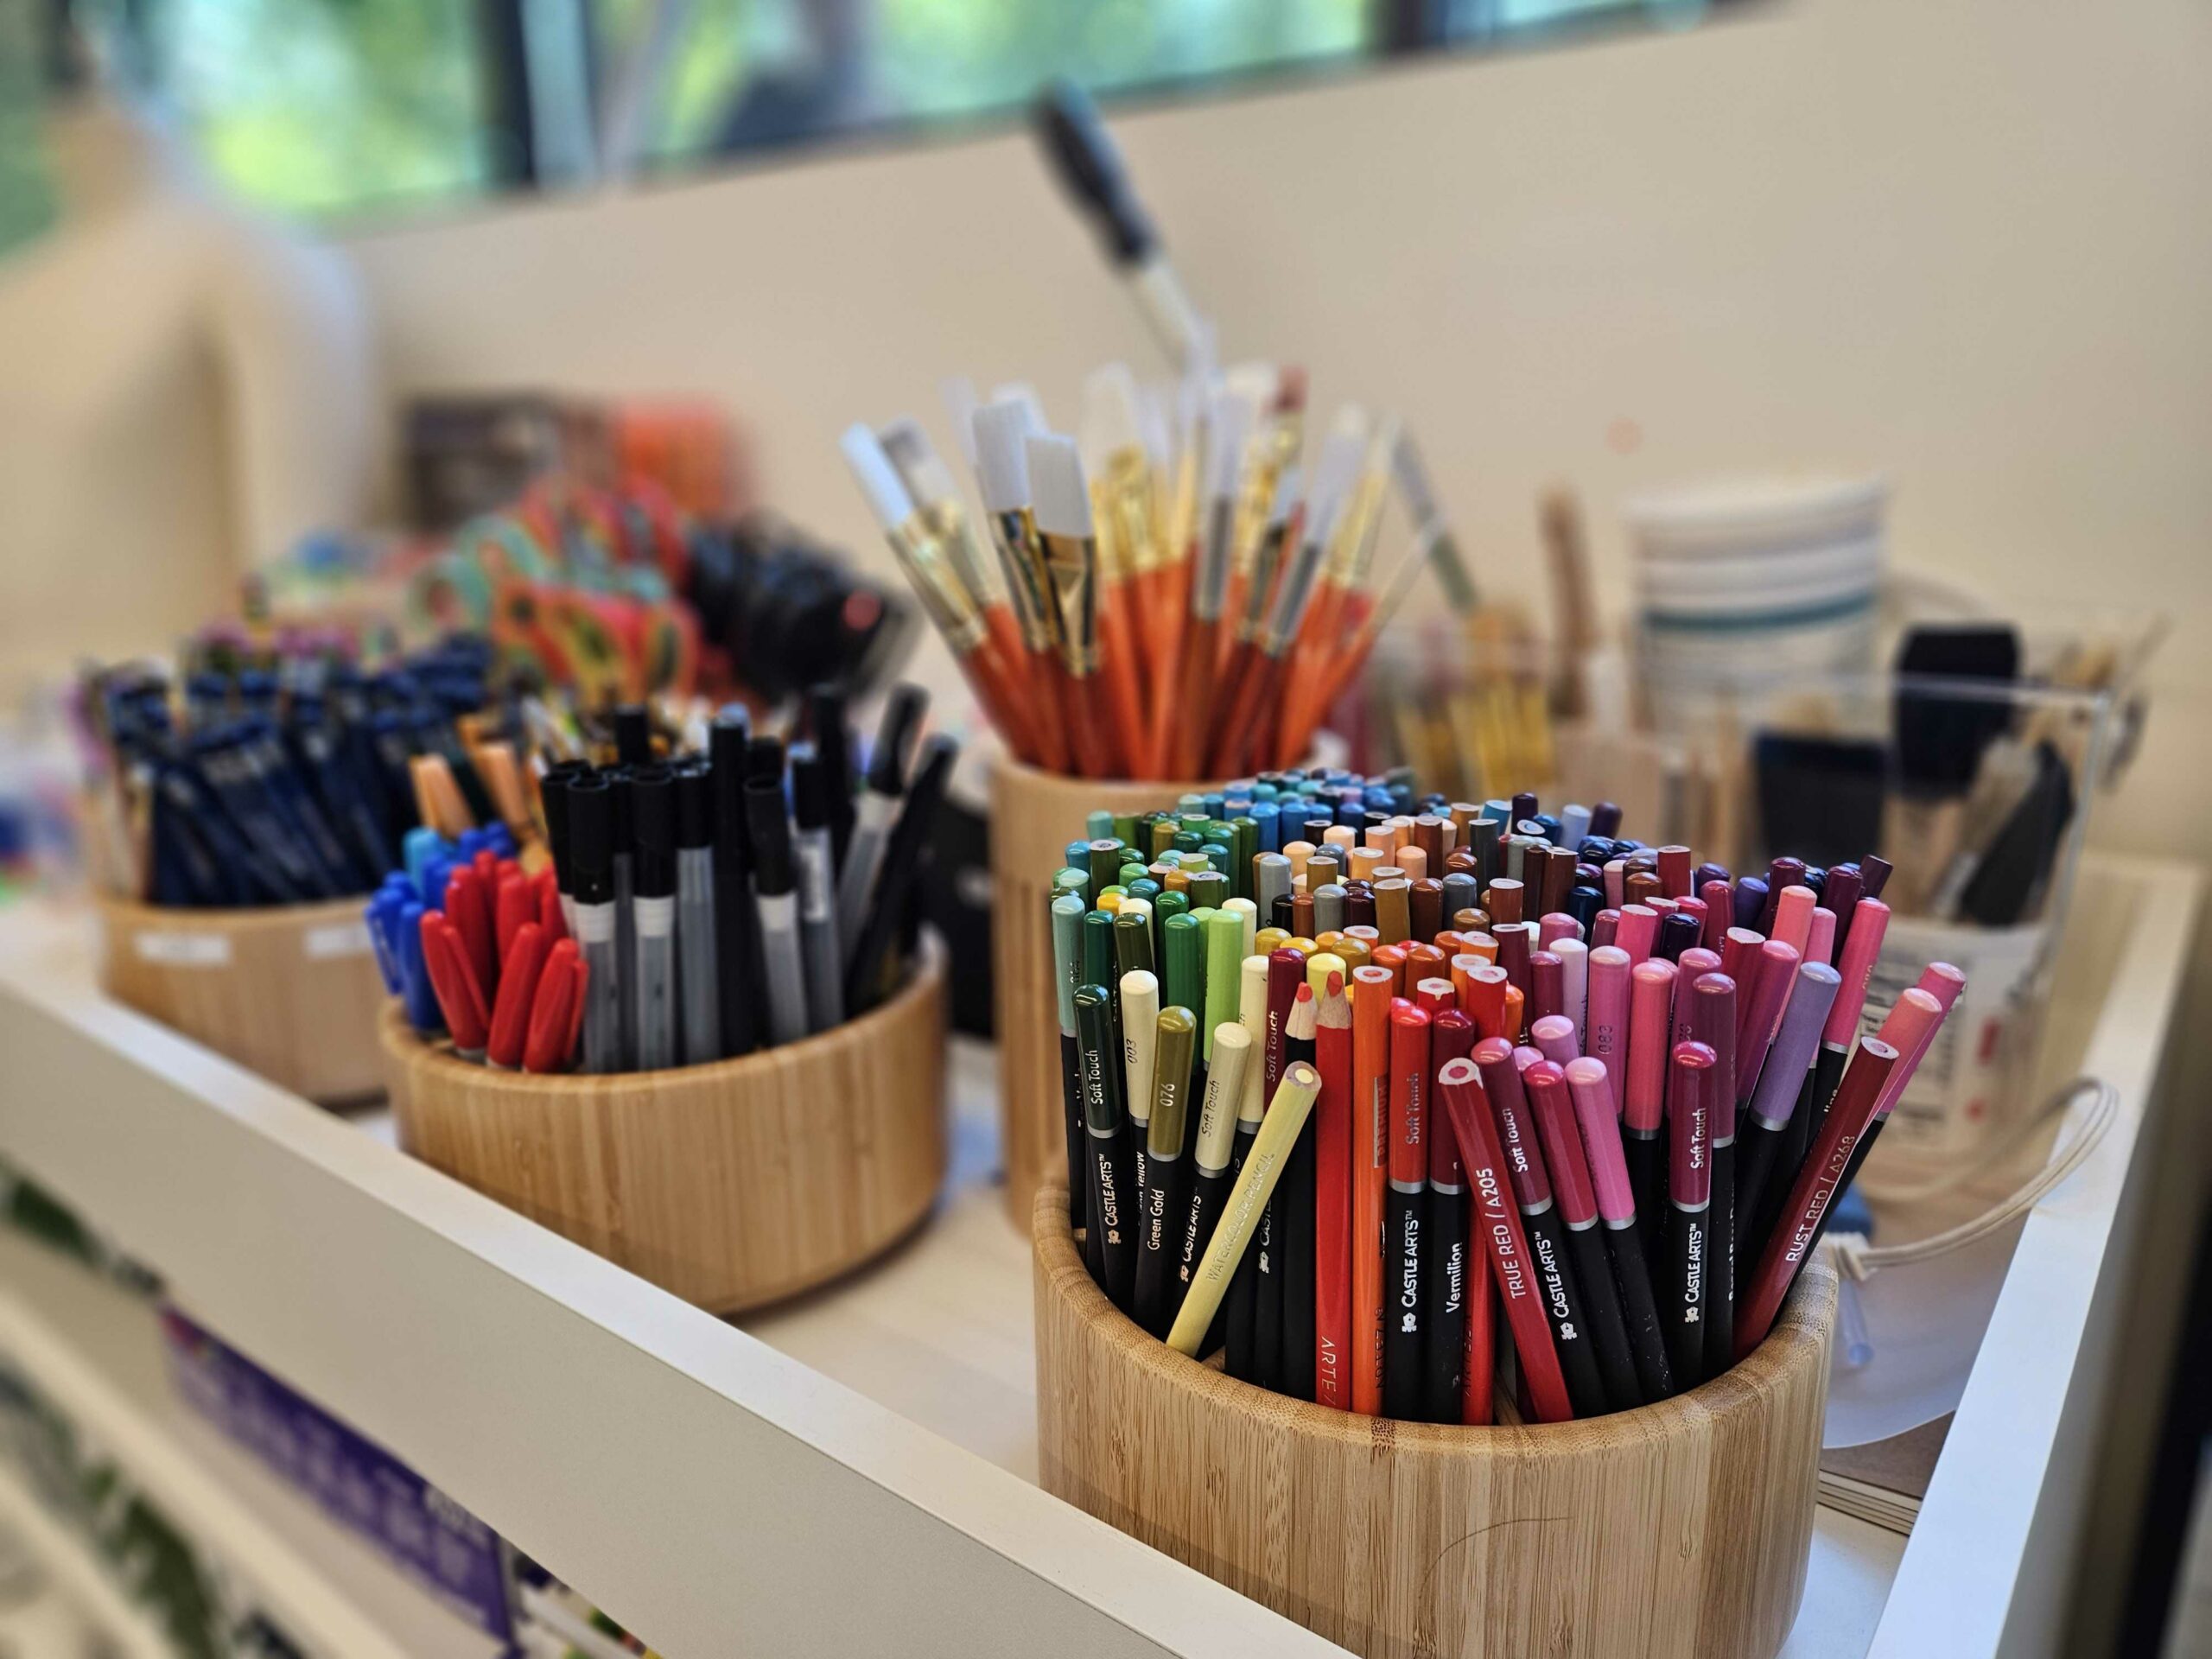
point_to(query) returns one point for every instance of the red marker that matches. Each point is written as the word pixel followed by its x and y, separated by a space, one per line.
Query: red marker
pixel 460 997
pixel 523 961
pixel 1497 1226
pixel 516 903
pixel 468 907
pixel 557 1010
pixel 1805 1211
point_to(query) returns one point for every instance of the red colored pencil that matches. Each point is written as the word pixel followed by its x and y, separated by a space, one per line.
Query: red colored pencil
pixel 1370 1177
pixel 1497 1228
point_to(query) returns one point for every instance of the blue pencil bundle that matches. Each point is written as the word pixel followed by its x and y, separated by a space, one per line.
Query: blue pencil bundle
pixel 285 781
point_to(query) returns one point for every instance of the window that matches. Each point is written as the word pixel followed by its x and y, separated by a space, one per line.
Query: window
pixel 349 106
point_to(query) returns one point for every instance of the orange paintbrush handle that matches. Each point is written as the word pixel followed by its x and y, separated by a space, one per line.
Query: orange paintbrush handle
pixel 1118 669
pixel 986 679
pixel 1090 725
pixel 1188 722
pixel 1049 719
pixel 1005 634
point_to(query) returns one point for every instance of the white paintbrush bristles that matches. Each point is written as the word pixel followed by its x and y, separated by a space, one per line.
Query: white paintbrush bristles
pixel 878 480
pixel 1001 431
pixel 1063 501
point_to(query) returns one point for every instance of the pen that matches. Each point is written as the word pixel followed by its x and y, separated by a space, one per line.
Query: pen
pixel 652 817
pixel 695 953
pixel 776 901
pixel 623 869
pixel 815 856
pixel 825 720
pixel 890 903
pixel 737 934
pixel 591 827
pixel 877 810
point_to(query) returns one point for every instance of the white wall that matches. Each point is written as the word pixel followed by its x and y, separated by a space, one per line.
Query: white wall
pixel 1969 244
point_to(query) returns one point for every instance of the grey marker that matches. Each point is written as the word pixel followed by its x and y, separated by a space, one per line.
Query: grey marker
pixel 813 852
pixel 653 815
pixel 698 986
pixel 776 901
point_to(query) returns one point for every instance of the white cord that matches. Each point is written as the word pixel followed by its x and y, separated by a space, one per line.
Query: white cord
pixel 1859 1259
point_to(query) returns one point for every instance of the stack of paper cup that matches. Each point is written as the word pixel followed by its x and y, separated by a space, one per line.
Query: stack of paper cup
pixel 1744 588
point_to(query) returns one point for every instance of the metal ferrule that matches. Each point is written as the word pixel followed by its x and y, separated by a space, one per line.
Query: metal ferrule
pixel 944 598
pixel 1072 562
pixel 1022 557
pixel 946 523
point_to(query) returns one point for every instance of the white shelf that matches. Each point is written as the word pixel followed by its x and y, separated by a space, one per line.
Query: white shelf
pixel 97 1351
pixel 854 1472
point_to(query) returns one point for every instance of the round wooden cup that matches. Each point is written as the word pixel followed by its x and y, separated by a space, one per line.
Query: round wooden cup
pixel 1034 814
pixel 289 992
pixel 731 1185
pixel 1676 1531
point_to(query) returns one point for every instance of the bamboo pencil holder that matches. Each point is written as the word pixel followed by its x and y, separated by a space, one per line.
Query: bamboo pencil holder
pixel 289 992
pixel 1034 816
pixel 731 1185
pixel 1676 1531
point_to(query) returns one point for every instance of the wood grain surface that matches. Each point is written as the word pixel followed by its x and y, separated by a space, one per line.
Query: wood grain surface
pixel 1677 1531
pixel 290 991
pixel 732 1184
